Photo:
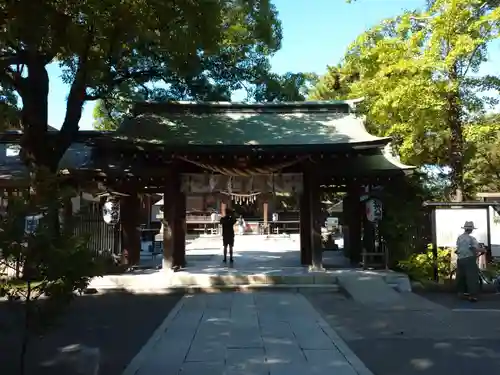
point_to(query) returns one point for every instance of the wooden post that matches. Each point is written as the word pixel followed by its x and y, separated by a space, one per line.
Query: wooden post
pixel 265 214
pixel 316 222
pixel 305 222
pixel 352 215
pixel 174 217
pixel 180 232
pixel 131 237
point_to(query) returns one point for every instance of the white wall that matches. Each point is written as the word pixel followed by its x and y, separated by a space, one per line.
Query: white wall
pixel 495 232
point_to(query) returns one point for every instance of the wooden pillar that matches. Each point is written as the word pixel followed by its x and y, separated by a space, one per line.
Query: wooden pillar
pixel 316 222
pixel 130 217
pixel 305 222
pixel 265 212
pixel 352 217
pixel 174 218
pixel 180 234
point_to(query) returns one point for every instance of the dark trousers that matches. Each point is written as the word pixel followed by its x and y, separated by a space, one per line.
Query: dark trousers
pixel 467 276
pixel 228 241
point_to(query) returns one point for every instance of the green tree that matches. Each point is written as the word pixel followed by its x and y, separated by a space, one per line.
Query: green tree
pixel 39 270
pixel 9 109
pixel 289 87
pixel 103 45
pixel 482 173
pixel 419 75
pixel 259 83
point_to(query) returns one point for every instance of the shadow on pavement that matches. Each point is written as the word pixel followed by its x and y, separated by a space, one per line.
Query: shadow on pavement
pixel 415 342
pixel 119 323
pixel 487 301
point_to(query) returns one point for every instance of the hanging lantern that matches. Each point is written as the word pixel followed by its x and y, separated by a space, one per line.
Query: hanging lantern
pixel 111 211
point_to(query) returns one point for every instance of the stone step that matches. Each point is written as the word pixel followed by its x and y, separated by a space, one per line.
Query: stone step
pixel 309 288
pixel 238 278
pixel 234 279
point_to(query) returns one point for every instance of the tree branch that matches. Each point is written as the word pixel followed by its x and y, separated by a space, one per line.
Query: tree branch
pixel 119 78
pixel 469 63
pixel 76 99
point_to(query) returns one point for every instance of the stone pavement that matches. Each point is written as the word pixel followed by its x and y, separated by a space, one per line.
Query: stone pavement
pixel 418 337
pixel 245 334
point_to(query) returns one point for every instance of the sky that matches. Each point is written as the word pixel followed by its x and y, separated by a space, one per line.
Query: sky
pixel 316 33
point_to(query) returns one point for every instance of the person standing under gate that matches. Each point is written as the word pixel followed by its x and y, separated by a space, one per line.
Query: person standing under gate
pixel 227 223
pixel 468 250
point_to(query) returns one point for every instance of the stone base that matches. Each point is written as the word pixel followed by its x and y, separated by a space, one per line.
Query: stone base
pixel 228 279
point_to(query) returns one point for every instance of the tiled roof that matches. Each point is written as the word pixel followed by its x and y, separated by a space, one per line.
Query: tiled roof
pixel 212 124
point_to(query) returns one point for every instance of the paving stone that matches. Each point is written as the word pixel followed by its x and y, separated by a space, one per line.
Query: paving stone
pixel 206 352
pixel 171 350
pixel 289 369
pixel 325 357
pixel 312 337
pixel 242 318
pixel 187 318
pixel 152 368
pixel 284 353
pixel 219 301
pixel 242 337
pixel 246 357
pixel 198 368
pixel 253 369
pixel 243 301
pixel 216 316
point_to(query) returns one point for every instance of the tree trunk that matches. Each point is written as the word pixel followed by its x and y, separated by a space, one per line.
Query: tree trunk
pixel 456 141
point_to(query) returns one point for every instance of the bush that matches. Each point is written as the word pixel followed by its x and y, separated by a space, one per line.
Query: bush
pixel 492 270
pixel 51 262
pixel 420 266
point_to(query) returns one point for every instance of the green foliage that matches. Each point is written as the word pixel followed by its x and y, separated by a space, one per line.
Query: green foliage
pixel 44 267
pixel 260 86
pixel 482 173
pixel 54 264
pixel 403 225
pixel 492 270
pixel 9 110
pixel 433 55
pixel 108 114
pixel 170 49
pixel 289 87
pixel 420 266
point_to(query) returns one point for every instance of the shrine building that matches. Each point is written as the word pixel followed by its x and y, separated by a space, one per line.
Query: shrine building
pixel 205 157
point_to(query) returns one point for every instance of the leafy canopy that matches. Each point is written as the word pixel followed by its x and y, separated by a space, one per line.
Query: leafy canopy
pixel 202 47
pixel 420 75
pixel 260 86
pixel 407 67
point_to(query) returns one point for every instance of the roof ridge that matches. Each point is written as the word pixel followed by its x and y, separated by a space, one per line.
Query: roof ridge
pixel 345 106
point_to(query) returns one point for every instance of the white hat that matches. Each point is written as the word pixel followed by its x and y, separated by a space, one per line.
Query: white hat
pixel 469 225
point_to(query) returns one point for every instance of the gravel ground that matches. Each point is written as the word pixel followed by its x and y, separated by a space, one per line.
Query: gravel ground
pixel 119 323
pixel 426 341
